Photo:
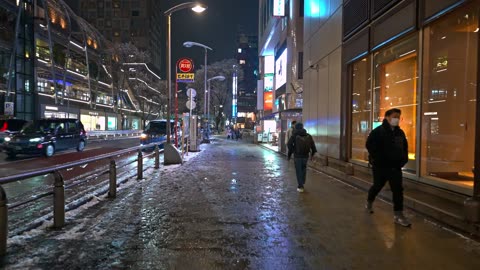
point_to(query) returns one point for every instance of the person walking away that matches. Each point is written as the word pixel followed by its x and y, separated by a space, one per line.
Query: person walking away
pixel 289 133
pixel 301 145
pixel 237 133
pixel 388 152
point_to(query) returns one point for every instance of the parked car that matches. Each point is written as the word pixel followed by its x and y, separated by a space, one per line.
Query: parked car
pixel 156 131
pixel 47 136
pixel 8 128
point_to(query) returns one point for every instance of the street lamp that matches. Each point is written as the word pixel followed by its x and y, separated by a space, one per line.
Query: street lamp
pixel 189 44
pixel 198 8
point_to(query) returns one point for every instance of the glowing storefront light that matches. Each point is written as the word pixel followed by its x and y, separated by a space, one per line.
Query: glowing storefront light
pixel 316 8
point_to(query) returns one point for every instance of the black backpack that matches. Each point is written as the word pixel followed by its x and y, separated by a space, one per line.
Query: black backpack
pixel 303 144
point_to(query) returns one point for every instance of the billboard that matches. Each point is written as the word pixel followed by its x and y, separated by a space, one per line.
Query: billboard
pixel 268 82
pixel 278 8
pixel 281 70
pixel 269 64
pixel 267 101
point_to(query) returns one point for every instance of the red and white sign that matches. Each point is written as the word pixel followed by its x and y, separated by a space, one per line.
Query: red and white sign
pixel 185 65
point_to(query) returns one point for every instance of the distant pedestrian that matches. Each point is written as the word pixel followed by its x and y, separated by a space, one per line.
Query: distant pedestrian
pixel 237 134
pixel 301 145
pixel 229 133
pixel 388 152
pixel 289 133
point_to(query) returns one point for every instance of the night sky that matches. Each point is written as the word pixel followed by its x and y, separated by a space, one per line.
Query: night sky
pixel 216 28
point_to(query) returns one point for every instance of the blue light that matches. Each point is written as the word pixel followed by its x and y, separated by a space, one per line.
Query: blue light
pixel 316 8
pixel 60 82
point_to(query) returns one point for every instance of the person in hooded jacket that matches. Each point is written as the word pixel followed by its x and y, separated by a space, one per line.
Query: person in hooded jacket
pixel 301 146
pixel 388 152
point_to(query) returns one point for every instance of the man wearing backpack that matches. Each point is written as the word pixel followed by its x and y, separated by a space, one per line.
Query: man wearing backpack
pixel 301 145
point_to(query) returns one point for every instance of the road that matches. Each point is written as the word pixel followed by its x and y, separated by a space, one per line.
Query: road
pixel 21 191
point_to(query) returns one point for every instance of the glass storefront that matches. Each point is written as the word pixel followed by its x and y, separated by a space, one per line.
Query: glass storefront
pixel 136 124
pixel 446 94
pixel 112 123
pixel 396 80
pixel 449 96
pixel 361 108
pixel 93 121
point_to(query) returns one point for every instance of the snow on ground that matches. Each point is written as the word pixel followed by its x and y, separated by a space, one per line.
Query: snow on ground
pixel 81 204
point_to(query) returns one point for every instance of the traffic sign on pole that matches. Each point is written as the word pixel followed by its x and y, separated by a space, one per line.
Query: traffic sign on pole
pixel 191 93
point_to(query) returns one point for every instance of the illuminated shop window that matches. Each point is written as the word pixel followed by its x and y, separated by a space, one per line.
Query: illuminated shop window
pixel 449 97
pixel 361 108
pixel 395 86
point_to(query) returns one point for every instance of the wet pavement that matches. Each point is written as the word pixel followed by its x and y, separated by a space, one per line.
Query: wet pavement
pixel 235 206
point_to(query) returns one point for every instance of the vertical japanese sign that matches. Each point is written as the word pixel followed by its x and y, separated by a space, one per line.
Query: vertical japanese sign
pixel 279 8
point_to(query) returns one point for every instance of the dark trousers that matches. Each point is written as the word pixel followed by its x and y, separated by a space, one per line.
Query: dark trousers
pixel 301 171
pixel 394 178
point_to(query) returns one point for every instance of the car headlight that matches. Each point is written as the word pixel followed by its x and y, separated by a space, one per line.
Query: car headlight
pixel 7 139
pixel 36 140
pixel 143 136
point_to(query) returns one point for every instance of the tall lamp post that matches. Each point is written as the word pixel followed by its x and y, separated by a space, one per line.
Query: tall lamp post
pixel 171 155
pixel 189 44
pixel 216 78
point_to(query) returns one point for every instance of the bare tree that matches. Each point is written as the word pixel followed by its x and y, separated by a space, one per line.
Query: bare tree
pixel 221 91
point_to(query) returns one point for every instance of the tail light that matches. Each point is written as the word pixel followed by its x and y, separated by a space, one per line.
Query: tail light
pixel 4 127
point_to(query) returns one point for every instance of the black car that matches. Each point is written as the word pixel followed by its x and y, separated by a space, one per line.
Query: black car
pixel 9 127
pixel 156 131
pixel 47 136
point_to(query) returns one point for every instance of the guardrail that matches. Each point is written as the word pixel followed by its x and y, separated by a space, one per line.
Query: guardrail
pixel 58 191
pixel 105 134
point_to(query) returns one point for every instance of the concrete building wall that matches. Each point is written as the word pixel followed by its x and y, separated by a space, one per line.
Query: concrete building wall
pixel 322 75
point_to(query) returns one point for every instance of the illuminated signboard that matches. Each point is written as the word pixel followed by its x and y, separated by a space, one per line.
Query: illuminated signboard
pixel 267 101
pixel 269 64
pixel 268 82
pixel 281 70
pixel 278 8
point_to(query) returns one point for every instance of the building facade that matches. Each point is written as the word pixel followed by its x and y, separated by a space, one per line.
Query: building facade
pixel 247 57
pixel 281 69
pixel 138 22
pixel 61 69
pixel 363 57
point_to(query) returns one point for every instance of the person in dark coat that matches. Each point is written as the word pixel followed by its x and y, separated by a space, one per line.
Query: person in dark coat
pixel 388 152
pixel 301 146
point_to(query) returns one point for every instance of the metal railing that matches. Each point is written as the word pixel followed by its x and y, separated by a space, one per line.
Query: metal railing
pixel 105 134
pixel 58 191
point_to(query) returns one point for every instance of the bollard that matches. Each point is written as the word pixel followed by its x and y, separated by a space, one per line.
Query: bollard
pixel 58 201
pixel 157 157
pixel 140 165
pixel 112 191
pixel 3 222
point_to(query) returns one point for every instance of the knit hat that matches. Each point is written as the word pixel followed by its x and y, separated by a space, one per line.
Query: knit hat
pixel 299 126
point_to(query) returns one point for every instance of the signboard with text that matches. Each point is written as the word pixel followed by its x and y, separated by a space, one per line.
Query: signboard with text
pixel 279 8
pixel 185 77
pixel 9 108
pixel 185 65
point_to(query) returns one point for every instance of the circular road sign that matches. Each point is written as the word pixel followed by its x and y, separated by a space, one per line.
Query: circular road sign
pixel 191 104
pixel 191 92
pixel 185 65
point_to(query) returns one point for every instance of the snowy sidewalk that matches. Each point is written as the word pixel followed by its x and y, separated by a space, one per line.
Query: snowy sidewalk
pixel 235 206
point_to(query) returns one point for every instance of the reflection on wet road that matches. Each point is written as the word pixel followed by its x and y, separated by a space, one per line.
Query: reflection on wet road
pixel 235 206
